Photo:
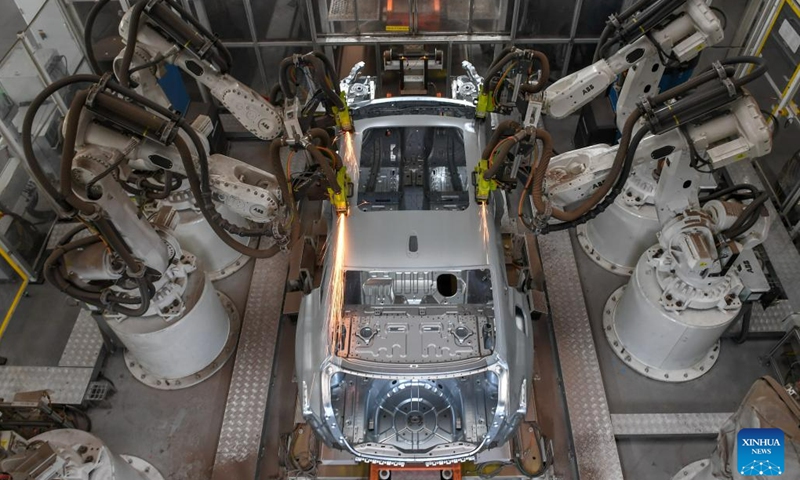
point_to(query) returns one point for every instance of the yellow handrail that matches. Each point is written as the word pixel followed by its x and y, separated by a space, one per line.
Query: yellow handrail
pixel 18 296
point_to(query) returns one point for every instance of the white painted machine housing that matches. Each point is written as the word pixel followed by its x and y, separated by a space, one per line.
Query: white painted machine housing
pixel 447 241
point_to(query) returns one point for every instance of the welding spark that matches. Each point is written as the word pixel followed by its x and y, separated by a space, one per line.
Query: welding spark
pixel 350 154
pixel 336 285
pixel 485 230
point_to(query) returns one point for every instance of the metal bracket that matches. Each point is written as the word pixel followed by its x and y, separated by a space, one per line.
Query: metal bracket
pixel 533 113
pixel 613 20
pixel 98 87
pixel 150 5
pixel 723 76
pixel 210 42
pixel 291 122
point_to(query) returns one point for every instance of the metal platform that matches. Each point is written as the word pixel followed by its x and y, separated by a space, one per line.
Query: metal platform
pixel 240 440
pixel 84 344
pixel 592 431
pixel 67 383
pixel 345 10
pixel 770 320
pixel 668 424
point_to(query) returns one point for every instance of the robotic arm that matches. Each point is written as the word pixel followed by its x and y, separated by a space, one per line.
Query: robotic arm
pixel 249 192
pixel 667 29
pixel 155 33
pixel 160 31
pixel 727 136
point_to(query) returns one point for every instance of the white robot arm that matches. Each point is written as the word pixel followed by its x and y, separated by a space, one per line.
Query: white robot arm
pixel 250 192
pixel 254 112
pixel 731 135
pixel 695 28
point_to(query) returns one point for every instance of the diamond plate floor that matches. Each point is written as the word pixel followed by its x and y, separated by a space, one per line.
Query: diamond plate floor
pixel 243 424
pixel 592 432
pixel 668 424
pixel 84 344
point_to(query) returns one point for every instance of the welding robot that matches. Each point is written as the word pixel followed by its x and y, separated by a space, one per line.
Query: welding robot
pixel 123 140
pixel 695 281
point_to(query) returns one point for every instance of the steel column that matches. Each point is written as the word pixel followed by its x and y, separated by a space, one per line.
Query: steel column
pixel 572 32
pixel 248 11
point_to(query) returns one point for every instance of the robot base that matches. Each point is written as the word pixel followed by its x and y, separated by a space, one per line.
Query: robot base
pixel 616 238
pixel 162 383
pixel 143 466
pixel 195 235
pixel 82 455
pixel 691 471
pixel 621 349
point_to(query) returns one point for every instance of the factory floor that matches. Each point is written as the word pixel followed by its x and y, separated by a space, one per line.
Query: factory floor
pixel 720 390
pixel 177 431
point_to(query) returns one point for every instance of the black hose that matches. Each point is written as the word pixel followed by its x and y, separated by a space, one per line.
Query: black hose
pixel 694 82
pixel 502 54
pixel 748 218
pixel 144 300
pixel 275 93
pixel 625 14
pixel 604 36
pixel 227 58
pixel 68 154
pixel 179 28
pixel 27 135
pixel 318 67
pixel 117 244
pixel 95 298
pixel 649 18
pixel 730 190
pixel 495 69
pixel 283 78
pixel 130 45
pixel 746 314
pixel 329 69
pixel 51 272
pixel 760 70
pixel 321 135
pixel 504 129
pixel 88 29
pixel 203 198
pixel 619 185
pixel 327 169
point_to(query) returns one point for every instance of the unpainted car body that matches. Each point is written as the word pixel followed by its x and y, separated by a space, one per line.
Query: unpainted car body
pixel 430 359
